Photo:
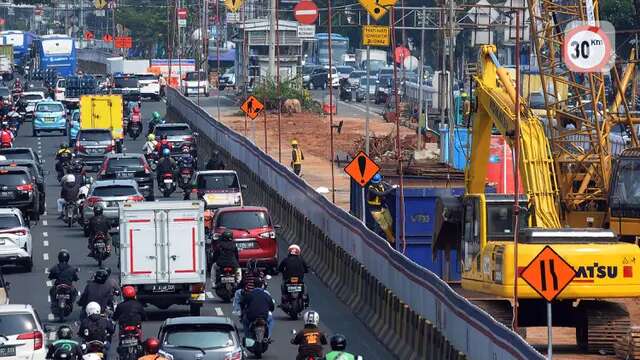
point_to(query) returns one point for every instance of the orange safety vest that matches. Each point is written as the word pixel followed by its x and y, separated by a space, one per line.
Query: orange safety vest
pixel 375 200
pixel 297 159
pixel 152 357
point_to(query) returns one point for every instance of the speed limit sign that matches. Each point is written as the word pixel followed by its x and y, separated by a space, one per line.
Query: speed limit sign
pixel 587 49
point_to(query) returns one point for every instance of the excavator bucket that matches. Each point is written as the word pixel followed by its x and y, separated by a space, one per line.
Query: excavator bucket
pixel 447 225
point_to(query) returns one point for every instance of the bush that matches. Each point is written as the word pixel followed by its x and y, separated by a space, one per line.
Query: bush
pixel 266 92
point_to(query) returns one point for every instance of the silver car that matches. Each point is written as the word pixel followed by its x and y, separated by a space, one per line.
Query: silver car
pixel 109 194
pixel 178 134
pixel 92 145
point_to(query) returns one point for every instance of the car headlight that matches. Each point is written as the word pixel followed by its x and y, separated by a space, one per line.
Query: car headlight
pixel 306 78
pixel 215 236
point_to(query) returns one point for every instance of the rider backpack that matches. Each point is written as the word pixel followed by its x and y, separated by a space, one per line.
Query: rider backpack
pixel 94 331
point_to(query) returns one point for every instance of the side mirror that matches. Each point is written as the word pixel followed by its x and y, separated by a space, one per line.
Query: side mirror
pixel 293 332
pixel 7 285
pixel 278 226
pixel 243 187
pixel 195 134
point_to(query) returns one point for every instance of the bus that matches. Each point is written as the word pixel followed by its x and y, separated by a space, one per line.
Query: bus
pixel 21 41
pixel 55 52
pixel 320 50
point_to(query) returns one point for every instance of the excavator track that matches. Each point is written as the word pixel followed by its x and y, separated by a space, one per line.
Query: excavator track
pixel 601 325
pixel 501 311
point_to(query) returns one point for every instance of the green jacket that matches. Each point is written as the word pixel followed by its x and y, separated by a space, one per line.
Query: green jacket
pixel 339 355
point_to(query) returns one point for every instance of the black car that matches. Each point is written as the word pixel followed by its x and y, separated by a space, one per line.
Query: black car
pixel 127 86
pixel 22 153
pixel 17 190
pixel 383 89
pixel 318 78
pixel 36 172
pixel 128 166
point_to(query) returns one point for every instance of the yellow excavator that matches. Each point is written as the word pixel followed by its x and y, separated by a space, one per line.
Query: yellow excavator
pixel 481 227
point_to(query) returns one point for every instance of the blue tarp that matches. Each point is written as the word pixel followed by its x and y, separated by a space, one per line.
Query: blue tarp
pixel 225 55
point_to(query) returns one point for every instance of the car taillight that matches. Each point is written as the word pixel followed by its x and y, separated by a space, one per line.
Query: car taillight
pixel 268 235
pixel 236 355
pixel 197 288
pixel 136 198
pixel 93 200
pixel 20 232
pixel 130 328
pixel 59 91
pixel 188 138
pixel 36 336
pixel 25 187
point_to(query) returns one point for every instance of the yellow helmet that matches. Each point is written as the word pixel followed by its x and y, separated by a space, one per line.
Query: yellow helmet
pixel 294 142
pixel 151 137
pixel 464 94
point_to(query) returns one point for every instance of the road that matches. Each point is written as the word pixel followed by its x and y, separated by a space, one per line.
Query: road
pixel 50 235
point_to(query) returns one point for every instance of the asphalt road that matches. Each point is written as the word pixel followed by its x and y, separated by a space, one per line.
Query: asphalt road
pixel 50 235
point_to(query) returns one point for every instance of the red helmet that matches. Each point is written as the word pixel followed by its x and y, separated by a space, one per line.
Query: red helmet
pixel 136 110
pixel 152 345
pixel 129 292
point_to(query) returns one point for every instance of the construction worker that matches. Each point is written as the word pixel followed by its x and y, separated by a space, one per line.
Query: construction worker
pixel 466 106
pixel 297 157
pixel 375 192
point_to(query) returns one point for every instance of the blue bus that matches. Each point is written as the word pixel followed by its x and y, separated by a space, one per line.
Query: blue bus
pixel 320 50
pixel 21 41
pixel 55 52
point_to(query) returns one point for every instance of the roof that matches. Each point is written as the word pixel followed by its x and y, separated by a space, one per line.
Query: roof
pixel 120 182
pixel 213 172
pixel 123 155
pixel 50 101
pixel 172 124
pixel 5 308
pixel 16 150
pixel 20 168
pixel 4 211
pixel 33 93
pixel 241 208
pixel 186 320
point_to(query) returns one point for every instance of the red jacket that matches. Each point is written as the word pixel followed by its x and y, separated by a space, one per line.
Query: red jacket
pixel 6 136
pixel 163 144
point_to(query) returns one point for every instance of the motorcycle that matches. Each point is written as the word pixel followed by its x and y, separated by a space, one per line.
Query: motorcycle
pixel 258 340
pixel 101 251
pixel 62 305
pixel 152 160
pixel 294 299
pixel 93 350
pixel 185 170
pixel 226 284
pixel 346 93
pixel 134 128
pixel 129 346
pixel 14 119
pixel 62 166
pixel 167 186
pixel 70 213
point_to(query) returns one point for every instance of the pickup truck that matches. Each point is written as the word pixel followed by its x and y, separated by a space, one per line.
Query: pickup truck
pixel 162 252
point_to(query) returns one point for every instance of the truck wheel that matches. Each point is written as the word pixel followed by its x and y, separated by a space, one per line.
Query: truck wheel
pixel 194 309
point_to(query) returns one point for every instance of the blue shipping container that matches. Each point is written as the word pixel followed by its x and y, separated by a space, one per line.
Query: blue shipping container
pixel 461 141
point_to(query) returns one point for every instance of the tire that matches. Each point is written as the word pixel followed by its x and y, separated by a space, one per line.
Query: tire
pixel 28 265
pixel 34 133
pixel 85 230
pixel 194 309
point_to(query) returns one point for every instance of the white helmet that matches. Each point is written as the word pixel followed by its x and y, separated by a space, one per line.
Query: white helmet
pixel 294 249
pixel 311 318
pixel 69 178
pixel 93 308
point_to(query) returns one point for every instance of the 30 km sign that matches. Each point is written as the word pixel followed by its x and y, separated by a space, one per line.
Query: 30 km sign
pixel 587 49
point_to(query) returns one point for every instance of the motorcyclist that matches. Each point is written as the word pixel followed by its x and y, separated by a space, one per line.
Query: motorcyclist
pixel 63 155
pixel 6 136
pixel 99 224
pixel 77 168
pixel 310 339
pixel 68 193
pixel 155 120
pixel 292 266
pixel 163 144
pixel 226 254
pixel 166 164
pixel 150 146
pixel 338 345
pixel 257 304
pixel 186 161
pixel 151 349
pixel 130 311
pixel 64 345
pixel 95 327
pixel 248 283
pixel 98 291
pixel 17 84
pixel 63 274
pixel 215 162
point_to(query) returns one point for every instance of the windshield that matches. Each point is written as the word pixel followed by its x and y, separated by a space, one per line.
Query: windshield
pixel 345 69
pixel 57 46
pixel 121 82
pixel 14 324
pixel 199 336
pixel 16 40
pixel 94 135
pixel 172 130
pixel 536 101
pixel 23 154
pixel 500 221
pixel 146 77
pixel 218 182
pixel 32 97
pixel 385 81
pixel 13 178
pixel 8 221
pixel 75 116
pixel 193 76
pixel 114 190
pixel 124 163
pixel 626 187
pixel 368 81
pixel 243 220
pixel 357 74
pixel 4 92
pixel 49 108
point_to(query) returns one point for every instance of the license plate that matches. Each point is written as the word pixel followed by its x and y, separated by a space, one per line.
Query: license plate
pixel 49 119
pixel 63 296
pixel 7 351
pixel 294 288
pixel 228 279
pixel 124 174
pixel 245 245
pixel 164 288
pixel 6 194
pixel 112 204
pixel 168 181
pixel 128 342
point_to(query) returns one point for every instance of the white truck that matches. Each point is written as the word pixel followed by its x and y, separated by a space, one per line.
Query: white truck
pixel 162 252
pixel 377 58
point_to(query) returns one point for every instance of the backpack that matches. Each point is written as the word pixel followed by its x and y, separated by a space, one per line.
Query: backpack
pixel 94 331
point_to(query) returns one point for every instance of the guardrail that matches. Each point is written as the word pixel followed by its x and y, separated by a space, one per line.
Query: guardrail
pixel 413 312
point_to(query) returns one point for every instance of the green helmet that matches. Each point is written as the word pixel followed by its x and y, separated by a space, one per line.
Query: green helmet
pixel 156 115
pixel 227 235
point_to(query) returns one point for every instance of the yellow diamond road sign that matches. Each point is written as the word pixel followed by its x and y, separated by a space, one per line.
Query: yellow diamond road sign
pixel 377 8
pixel 233 5
pixel 100 4
pixel 375 35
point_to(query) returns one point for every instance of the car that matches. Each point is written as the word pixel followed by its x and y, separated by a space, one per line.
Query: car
pixel 149 85
pixel 18 191
pixel 253 233
pixel 22 153
pixel 228 79
pixel 26 103
pixel 355 76
pixel 178 134
pixel 306 73
pixel 92 145
pixel 335 76
pixel 15 239
pixel 23 335
pixel 128 166
pixel 383 88
pixel 201 337
pixel 369 84
pixel 36 173
pixel 49 115
pixel 109 194
pixel 127 86
pixel 5 93
pixel 195 82
pixel 344 71
pixel 317 78
pixel 218 188
pixel 385 71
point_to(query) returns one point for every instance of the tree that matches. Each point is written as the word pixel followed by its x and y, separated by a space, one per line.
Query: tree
pixel 147 24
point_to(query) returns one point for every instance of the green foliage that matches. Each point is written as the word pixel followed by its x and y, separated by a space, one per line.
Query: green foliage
pixel 147 24
pixel 621 13
pixel 266 92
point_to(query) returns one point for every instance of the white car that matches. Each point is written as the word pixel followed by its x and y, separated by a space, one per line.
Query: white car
pixel 195 82
pixel 149 85
pixel 335 76
pixel 30 99
pixel 23 334
pixel 15 240
pixel 218 188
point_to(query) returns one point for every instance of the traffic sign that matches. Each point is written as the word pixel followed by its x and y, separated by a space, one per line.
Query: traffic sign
pixel 306 12
pixel 124 42
pixel 361 169
pixel 107 38
pixel 182 17
pixel 100 4
pixel 88 35
pixel 587 49
pixel 377 8
pixel 252 107
pixel 306 31
pixel 233 5
pixel 548 274
pixel 375 35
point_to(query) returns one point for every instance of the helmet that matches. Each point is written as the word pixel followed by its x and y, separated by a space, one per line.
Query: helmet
pixel 463 94
pixel 376 179
pixel 166 152
pixel 338 342
pixel 93 308
pixel 294 142
pixel 151 345
pixel 70 178
pixel 156 115
pixel 63 146
pixel 108 270
pixel 97 211
pixel 226 235
pixel 64 332
pixel 63 256
pixel 151 137
pixel 186 149
pixel 101 276
pixel 311 318
pixel 294 249
pixel 129 292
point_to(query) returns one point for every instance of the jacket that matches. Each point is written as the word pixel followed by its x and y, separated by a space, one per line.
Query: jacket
pixel 339 355
pixel 69 191
pixel 249 278
pixel 63 274
pixel 296 156
pixel 67 346
pixel 226 254
pixel 129 312
pixel 100 293
pixel 99 224
pixel 256 304
pixel 6 136
pixel 152 357
pixel 165 165
pixel 92 323
pixel 293 266
pixel 310 341
pixel 375 193
pixel 215 163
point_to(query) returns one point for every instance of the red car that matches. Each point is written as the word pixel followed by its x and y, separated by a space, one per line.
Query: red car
pixel 253 233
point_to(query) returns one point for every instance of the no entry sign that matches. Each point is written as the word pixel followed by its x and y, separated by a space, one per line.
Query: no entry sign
pixel 306 12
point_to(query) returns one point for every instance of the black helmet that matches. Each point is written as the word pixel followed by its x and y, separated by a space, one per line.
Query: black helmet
pixel 108 270
pixel 63 256
pixel 338 342
pixel 64 332
pixel 101 276
pixel 97 211
pixel 227 235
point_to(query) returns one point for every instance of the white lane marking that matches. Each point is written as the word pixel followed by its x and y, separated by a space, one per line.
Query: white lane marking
pixel 219 311
pixel 45 234
pixel 46 270
pixel 45 243
pixel 45 256
pixel 45 213
pixel 44 161
pixel 49 283
pixel 48 298
pixel 209 295
pixel 39 142
pixel 51 317
pixel 45 222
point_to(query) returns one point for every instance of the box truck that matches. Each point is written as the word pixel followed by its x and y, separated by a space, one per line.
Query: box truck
pixel 162 252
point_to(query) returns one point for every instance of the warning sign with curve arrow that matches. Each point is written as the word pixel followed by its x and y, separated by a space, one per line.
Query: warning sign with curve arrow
pixel 361 169
pixel 377 8
pixel 252 107
pixel 548 274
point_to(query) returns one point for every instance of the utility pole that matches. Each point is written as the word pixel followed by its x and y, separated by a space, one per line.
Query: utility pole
pixel 366 122
pixel 452 126
pixel 272 37
pixel 420 82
